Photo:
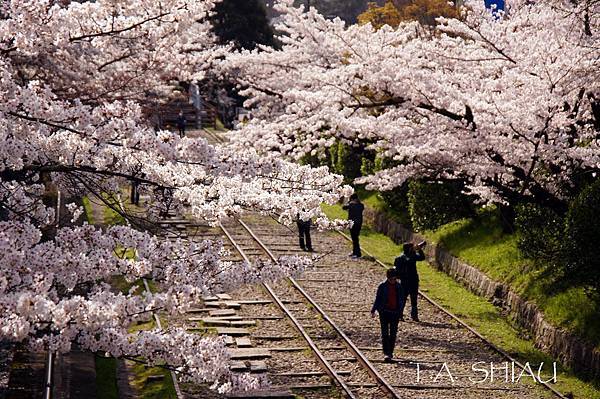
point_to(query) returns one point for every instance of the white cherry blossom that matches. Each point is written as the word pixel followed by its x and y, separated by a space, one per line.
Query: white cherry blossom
pixel 508 103
pixel 75 81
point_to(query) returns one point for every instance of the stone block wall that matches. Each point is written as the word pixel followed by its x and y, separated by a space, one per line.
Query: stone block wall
pixel 570 349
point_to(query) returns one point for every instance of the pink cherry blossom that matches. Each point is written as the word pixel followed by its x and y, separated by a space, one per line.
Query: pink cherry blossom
pixel 507 103
pixel 75 83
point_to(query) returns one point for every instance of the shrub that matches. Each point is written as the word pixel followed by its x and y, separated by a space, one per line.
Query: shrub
pixel 581 240
pixel 346 160
pixel 396 203
pixel 432 204
pixel 315 160
pixel 539 232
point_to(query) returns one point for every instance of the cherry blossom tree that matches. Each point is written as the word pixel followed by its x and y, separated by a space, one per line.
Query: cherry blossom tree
pixel 507 103
pixel 74 79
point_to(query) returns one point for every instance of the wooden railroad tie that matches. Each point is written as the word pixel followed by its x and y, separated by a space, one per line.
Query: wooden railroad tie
pixel 233 331
pixel 248 353
pixel 275 337
pixel 255 302
pixel 280 393
pixel 223 304
pixel 243 342
pixel 221 312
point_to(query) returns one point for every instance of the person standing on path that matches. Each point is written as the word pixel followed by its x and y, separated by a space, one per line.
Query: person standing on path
pixel 181 122
pixel 389 303
pixel 355 210
pixel 406 269
pixel 304 234
pixel 135 193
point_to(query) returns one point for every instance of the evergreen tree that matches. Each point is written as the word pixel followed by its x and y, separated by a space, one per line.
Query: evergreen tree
pixel 243 23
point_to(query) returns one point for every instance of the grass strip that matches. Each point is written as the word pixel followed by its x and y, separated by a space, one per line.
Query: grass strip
pixel 474 310
pixel 482 243
pixel 106 377
pixel 87 208
pixel 150 382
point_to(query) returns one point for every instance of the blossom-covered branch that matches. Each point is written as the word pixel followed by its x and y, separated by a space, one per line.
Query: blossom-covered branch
pixel 74 81
pixel 507 103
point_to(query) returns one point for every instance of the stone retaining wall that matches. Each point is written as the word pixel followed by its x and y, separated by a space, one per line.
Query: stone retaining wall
pixel 569 349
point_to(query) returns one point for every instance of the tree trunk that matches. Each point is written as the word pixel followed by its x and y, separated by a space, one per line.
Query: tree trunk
pixel 507 217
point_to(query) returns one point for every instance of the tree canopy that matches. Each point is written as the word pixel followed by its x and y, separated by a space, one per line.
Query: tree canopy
pixel 392 13
pixel 75 83
pixel 507 103
pixel 243 23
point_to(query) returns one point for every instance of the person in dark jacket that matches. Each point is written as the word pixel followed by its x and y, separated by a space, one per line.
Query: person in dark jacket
pixel 389 303
pixel 406 269
pixel 181 122
pixel 355 210
pixel 135 193
pixel 304 234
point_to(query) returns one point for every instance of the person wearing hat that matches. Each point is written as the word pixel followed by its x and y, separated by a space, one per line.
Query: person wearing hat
pixel 389 304
pixel 406 269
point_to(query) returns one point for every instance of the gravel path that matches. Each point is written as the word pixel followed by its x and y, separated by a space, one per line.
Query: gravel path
pixel 345 288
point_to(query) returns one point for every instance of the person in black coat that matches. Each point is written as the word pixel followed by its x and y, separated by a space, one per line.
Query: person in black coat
pixel 304 234
pixel 406 269
pixel 181 123
pixel 389 303
pixel 355 210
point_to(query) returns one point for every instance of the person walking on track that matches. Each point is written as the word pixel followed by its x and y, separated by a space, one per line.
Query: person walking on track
pixel 389 303
pixel 406 269
pixel 304 234
pixel 355 210
pixel 181 122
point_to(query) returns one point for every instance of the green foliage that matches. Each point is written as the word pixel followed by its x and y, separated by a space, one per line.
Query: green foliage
pixel 346 160
pixel 243 23
pixel 89 210
pixel 396 202
pixel 431 205
pixel 582 231
pixel 367 166
pixel 539 232
pixel 106 377
pixel 313 160
pixel 475 239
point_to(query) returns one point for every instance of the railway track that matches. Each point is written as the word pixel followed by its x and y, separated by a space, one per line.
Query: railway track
pixel 283 342
pixel 321 334
pixel 464 346
pixel 314 337
pixel 441 345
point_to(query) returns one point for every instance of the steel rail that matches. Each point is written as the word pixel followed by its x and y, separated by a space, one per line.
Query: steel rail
pixel 49 368
pixel 49 373
pixel 178 392
pixel 362 359
pixel 466 326
pixel 320 357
